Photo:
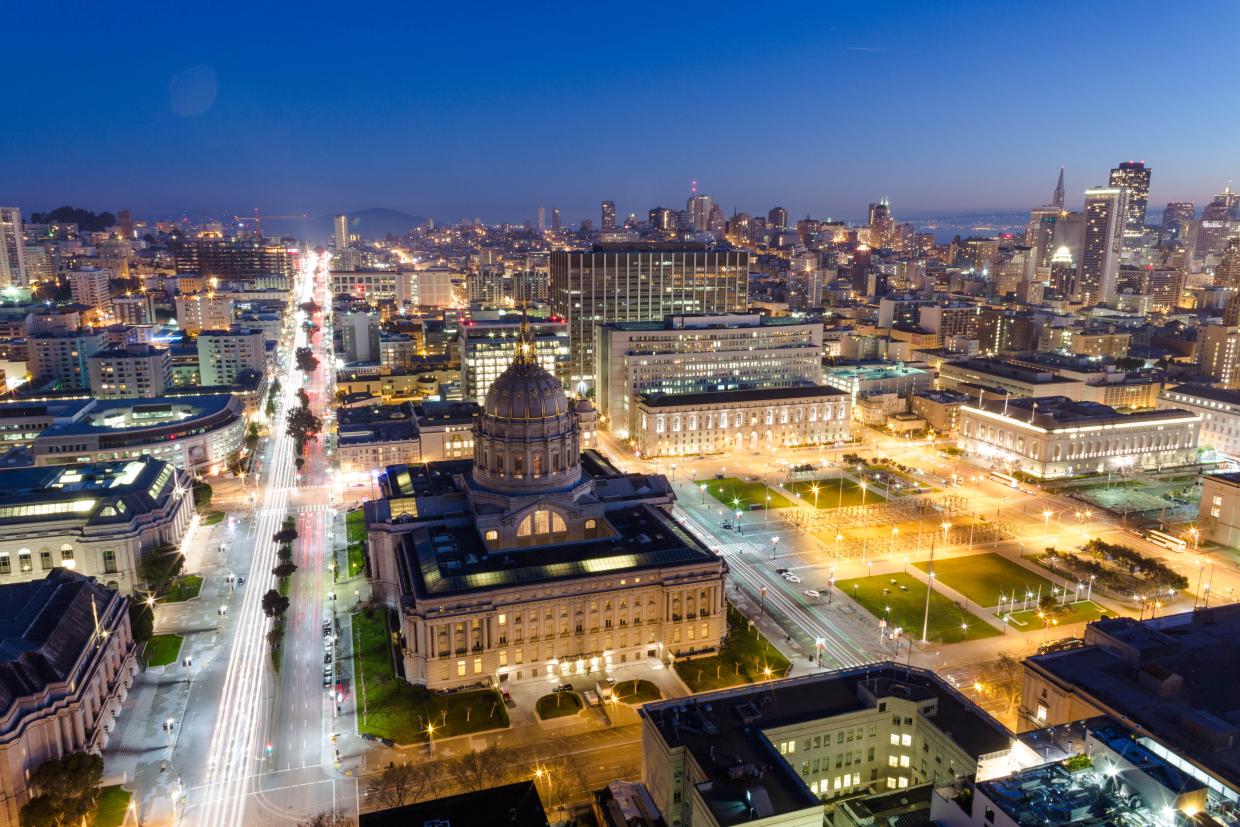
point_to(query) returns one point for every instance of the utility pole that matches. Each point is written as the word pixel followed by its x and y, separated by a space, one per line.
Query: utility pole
pixel 925 623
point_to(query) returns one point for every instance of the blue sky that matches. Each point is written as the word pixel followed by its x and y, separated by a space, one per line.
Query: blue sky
pixel 490 110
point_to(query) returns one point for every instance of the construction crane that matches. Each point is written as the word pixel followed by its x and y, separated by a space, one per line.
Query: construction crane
pixel 258 219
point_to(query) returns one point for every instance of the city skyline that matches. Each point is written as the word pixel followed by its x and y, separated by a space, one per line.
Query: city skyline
pixel 820 118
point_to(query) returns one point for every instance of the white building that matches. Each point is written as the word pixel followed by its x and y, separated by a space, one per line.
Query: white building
pixel 223 354
pixel 487 348
pixel 1219 410
pixel 437 287
pixel 89 286
pixel 749 420
pixel 701 354
pixel 63 356
pixel 1054 436
pixel 197 312
pixel 136 370
pixel 69 660
pixel 98 519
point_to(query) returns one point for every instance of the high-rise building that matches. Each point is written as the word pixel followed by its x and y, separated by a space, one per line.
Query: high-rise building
pixel 1227 274
pixel 234 258
pixel 542 219
pixel 615 284
pixel 133 371
pixel 1216 219
pixel 777 218
pixel 1057 198
pixel 609 216
pixel 89 286
pixel 197 312
pixel 223 355
pixel 1134 177
pixel 1218 354
pixel 1178 213
pixel 485 285
pixel 1040 234
pixel 12 248
pixel 359 335
pixel 62 356
pixel 487 348
pixel 124 221
pixel 699 212
pixel 135 309
pixel 555 219
pixel 660 218
pixel 1106 209
pixel 714 222
pixel 342 231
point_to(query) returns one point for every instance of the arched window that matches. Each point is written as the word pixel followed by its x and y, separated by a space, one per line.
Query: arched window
pixel 537 465
pixel 518 466
pixel 541 522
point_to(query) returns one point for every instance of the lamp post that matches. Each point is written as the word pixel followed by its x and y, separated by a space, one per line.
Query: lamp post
pixel 702 488
pixel 814 488
pixel 774 543
pixel 1196 538
pixel 1046 525
pixel 925 623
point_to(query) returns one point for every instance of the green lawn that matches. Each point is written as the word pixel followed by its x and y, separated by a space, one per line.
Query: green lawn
pixel 829 495
pixel 212 518
pixel 740 494
pixel 111 806
pixel 744 658
pixel 905 607
pixel 400 711
pixel 983 578
pixel 1082 612
pixel 558 705
pixel 636 692
pixel 355 532
pixel 162 650
pixel 183 588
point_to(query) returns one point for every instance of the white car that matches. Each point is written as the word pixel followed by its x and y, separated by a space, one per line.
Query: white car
pixel 792 578
pixel 811 593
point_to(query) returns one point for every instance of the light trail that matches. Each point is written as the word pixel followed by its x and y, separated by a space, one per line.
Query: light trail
pixel 233 756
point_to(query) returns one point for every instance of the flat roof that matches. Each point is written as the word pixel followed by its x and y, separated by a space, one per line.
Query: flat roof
pixel 773 395
pixel 721 729
pixel 1061 411
pixel 514 805
pixel 1227 397
pixel 1173 677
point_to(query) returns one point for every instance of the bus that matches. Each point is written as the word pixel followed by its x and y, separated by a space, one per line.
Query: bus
pixel 1168 541
pixel 1006 479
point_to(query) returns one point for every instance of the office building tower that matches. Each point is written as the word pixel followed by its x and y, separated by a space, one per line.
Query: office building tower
pixel 555 219
pixel 542 219
pixel 714 222
pixel 1227 274
pixel 134 309
pixel 1216 219
pixel 12 249
pixel 89 286
pixel 660 219
pixel 608 222
pixel 614 284
pixel 777 218
pixel 487 349
pixel 1106 209
pixel 124 222
pixel 197 312
pixel 132 371
pixel 1178 213
pixel 359 335
pixel 1218 354
pixel 698 209
pixel 485 285
pixel 1040 234
pixel 224 355
pixel 61 357
pixel 1057 198
pixel 1134 177
pixel 272 260
pixel 342 231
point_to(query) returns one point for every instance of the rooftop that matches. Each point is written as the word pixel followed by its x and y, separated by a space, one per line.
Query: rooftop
pixel 725 731
pixel 512 805
pixel 1223 395
pixel 1054 412
pixel 1172 677
pixel 98 493
pixel 772 395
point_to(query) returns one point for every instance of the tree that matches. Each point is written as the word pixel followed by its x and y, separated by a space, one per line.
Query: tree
pixel 402 784
pixel 329 818
pixel 285 535
pixel 65 790
pixel 202 494
pixel 310 307
pixel 274 603
pixel 141 621
pixel 303 425
pixel 284 569
pixel 480 769
pixel 1001 679
pixel 159 566
pixel 307 362
pixel 303 397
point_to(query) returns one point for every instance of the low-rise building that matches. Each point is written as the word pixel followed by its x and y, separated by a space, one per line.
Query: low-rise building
pixel 67 660
pixel 136 370
pixel 1054 436
pixel 878 377
pixel 1046 374
pixel 712 423
pixel 197 312
pixel 775 753
pixel 1219 410
pixel 1218 517
pixel 940 409
pixel 377 436
pixel 446 429
pixel 99 519
pixel 61 357
pixel 1169 681
pixel 193 433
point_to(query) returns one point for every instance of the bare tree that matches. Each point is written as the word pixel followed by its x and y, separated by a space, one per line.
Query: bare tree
pixel 1001 679
pixel 330 818
pixel 481 769
pixel 402 784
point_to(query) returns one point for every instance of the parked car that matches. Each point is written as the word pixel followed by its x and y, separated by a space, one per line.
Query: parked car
pixel 506 695
pixel 792 578
pixel 812 593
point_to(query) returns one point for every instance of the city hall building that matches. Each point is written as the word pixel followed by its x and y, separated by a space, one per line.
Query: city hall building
pixel 535 560
pixel 1054 436
pixel 751 420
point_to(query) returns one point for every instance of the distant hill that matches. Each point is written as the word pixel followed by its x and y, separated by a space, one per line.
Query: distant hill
pixel 372 223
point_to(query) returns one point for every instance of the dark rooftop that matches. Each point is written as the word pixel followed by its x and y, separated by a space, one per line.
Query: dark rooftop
pixel 773 395
pixel 1227 397
pixel 512 805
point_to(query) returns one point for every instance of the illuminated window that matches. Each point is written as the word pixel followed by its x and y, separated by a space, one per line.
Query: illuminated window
pixel 492 534
pixel 460 668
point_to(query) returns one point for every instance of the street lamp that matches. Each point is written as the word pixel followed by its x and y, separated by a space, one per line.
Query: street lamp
pixel 702 488
pixel 1196 537
pixel 814 488
pixel 774 543
pixel 1046 525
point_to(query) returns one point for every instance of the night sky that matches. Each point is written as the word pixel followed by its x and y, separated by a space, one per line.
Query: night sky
pixel 490 110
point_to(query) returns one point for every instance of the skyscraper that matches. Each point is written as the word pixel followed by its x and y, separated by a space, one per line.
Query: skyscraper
pixel 342 231
pixel 777 218
pixel 699 212
pixel 660 218
pixel 1133 176
pixel 1057 199
pixel 612 283
pixel 542 219
pixel 555 219
pixel 714 222
pixel 1176 213
pixel 609 216
pixel 12 248
pixel 1215 219
pixel 1227 274
pixel 1106 209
